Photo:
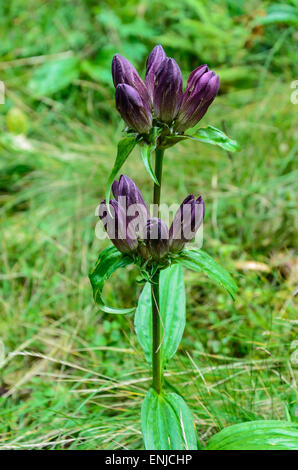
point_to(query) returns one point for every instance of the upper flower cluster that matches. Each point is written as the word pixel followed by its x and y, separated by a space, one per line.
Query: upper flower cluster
pixel 131 229
pixel 161 96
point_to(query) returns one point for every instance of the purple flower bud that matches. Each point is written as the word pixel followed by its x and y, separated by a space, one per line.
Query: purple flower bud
pixel 202 88
pixel 154 61
pixel 124 72
pixel 133 109
pixel 130 197
pixel 186 222
pixel 127 187
pixel 168 92
pixel 156 235
pixel 116 226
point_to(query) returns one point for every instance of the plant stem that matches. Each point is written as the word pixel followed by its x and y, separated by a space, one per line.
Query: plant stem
pixel 156 363
pixel 156 337
pixel 158 173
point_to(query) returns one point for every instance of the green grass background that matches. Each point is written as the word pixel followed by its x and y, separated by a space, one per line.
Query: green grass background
pixel 73 377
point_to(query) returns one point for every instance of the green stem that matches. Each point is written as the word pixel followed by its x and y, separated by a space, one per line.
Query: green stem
pixel 156 336
pixel 156 359
pixel 158 173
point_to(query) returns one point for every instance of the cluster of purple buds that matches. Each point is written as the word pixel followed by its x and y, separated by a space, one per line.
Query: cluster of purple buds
pixel 161 96
pixel 131 229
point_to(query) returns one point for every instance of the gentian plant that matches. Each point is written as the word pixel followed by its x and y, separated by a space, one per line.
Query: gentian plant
pixel 158 114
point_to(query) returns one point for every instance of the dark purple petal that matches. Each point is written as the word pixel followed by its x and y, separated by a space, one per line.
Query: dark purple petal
pixel 124 72
pixel 132 108
pixel 186 222
pixel 127 187
pixel 200 201
pixel 116 227
pixel 131 199
pixel 195 75
pixel 167 91
pixel 115 188
pixel 202 88
pixel 156 235
pixel 154 61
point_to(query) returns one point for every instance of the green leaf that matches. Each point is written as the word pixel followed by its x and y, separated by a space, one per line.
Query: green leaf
pixel 200 261
pixel 171 140
pixel 146 157
pixel 211 135
pixel 167 423
pixel 279 13
pixel 54 76
pixel 172 307
pixel 108 262
pixel 256 435
pixel 125 147
pixel 98 73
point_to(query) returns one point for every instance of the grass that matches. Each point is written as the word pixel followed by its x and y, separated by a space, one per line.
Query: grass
pixel 73 377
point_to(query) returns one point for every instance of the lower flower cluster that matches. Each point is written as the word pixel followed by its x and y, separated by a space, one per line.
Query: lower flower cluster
pixel 132 230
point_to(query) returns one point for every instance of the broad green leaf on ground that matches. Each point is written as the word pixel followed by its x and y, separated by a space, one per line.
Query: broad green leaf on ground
pixel 279 13
pixel 97 72
pixel 146 157
pixel 167 423
pixel 108 262
pixel 256 435
pixel 98 67
pixel 211 135
pixel 172 307
pixel 200 261
pixel 125 147
pixel 54 76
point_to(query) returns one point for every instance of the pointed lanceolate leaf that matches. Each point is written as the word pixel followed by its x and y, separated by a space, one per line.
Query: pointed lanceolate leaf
pixel 211 135
pixel 172 307
pixel 146 157
pixel 256 435
pixel 167 423
pixel 125 147
pixel 108 262
pixel 200 261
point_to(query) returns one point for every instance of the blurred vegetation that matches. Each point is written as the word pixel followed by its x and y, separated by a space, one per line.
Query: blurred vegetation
pixel 73 377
